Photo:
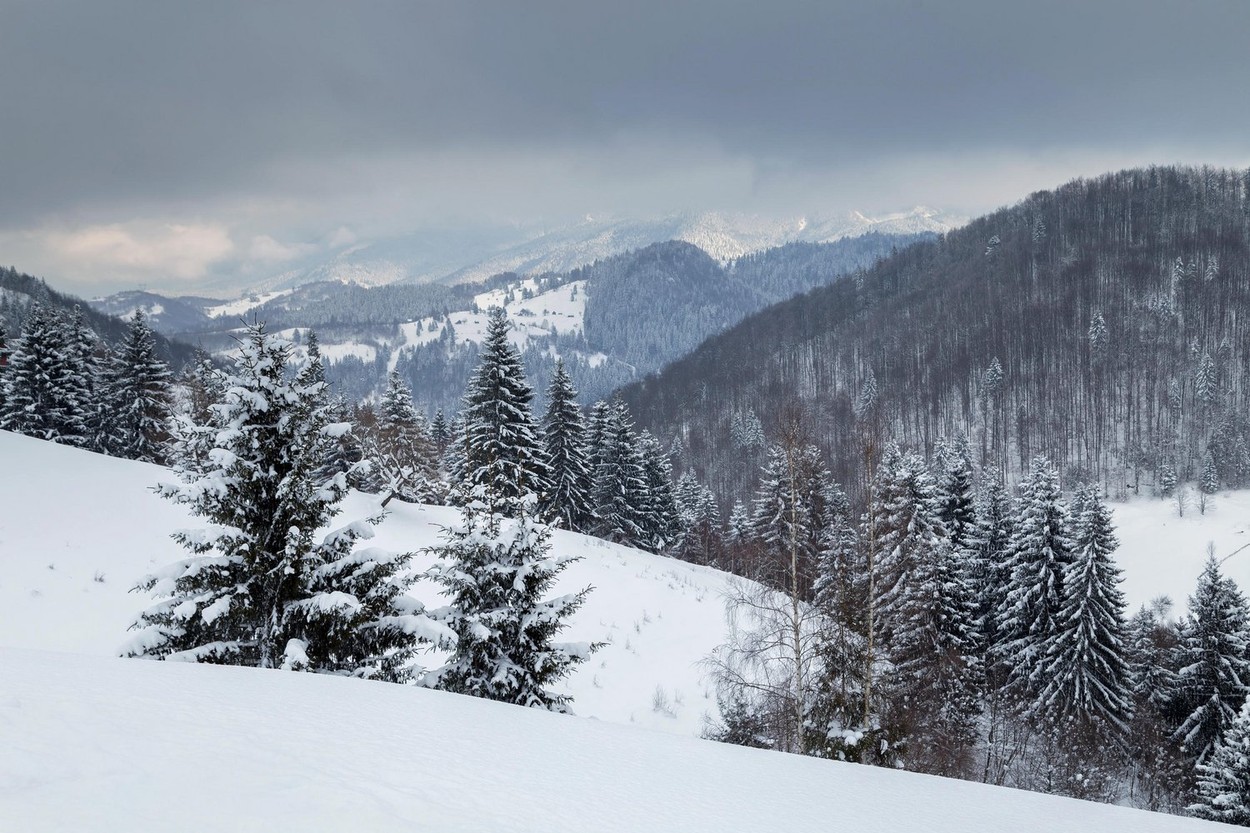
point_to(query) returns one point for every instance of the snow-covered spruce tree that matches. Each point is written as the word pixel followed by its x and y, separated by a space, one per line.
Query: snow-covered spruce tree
pixel 137 390
pixel 925 611
pixel 89 356
pixel 620 485
pixel 496 572
pixel 660 521
pixel 399 449
pixel 955 491
pixel 261 588
pixel 502 448
pixel 1158 773
pixel 1223 791
pixel 698 524
pixel 1038 553
pixel 45 394
pixel 1214 671
pixel 789 516
pixel 564 439
pixel 1085 678
pixel 1209 482
pixel 835 722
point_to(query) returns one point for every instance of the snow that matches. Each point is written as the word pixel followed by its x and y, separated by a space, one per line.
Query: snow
pixel 162 746
pixel 67 565
pixel 96 742
pixel 244 305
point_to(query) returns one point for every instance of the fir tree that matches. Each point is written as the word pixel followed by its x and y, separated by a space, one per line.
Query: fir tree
pixel 661 525
pixel 789 515
pixel 497 572
pixel 926 611
pixel 1038 553
pixel 502 449
pixel 1084 667
pixel 440 432
pixel 1209 482
pixel 400 449
pixel 1214 671
pixel 564 440
pixel 45 394
pixel 259 588
pixel 619 479
pixel 1223 792
pixel 137 389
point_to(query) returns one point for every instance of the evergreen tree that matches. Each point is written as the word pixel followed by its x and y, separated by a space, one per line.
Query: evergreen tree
pixel 1223 792
pixel 502 449
pixel 955 492
pixel 988 570
pixel 496 572
pixel 1214 671
pixel 789 516
pixel 400 449
pixel 1084 669
pixel 1209 482
pixel 1038 554
pixel 926 613
pixel 739 527
pixel 259 588
pixel 137 389
pixel 564 440
pixel 440 432
pixel 661 523
pixel 619 478
pixel 45 395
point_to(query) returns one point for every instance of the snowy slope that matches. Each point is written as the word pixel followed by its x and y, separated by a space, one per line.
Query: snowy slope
pixel 108 744
pixel 77 530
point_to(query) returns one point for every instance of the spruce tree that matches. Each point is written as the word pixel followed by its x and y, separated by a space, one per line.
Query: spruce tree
pixel 564 440
pixel 789 517
pixel 1214 671
pixel 137 390
pixel 619 478
pixel 45 394
pixel 502 449
pixel 926 612
pixel 1223 792
pixel 261 587
pixel 1085 676
pixel 661 526
pixel 497 572
pixel 400 449
pixel 1038 554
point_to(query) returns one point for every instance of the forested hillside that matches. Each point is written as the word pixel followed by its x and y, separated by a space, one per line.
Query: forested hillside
pixel 1101 324
pixel 19 291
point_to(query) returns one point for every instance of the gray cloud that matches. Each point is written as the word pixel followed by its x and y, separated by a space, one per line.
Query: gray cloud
pixel 287 120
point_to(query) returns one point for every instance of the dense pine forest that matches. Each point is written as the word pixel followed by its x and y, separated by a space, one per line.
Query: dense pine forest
pixel 1101 324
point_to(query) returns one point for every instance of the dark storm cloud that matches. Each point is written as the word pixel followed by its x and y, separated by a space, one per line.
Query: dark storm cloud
pixel 108 101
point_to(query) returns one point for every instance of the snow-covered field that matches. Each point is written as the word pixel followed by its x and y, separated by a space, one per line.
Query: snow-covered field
pixel 118 745
pixel 77 530
pixel 94 742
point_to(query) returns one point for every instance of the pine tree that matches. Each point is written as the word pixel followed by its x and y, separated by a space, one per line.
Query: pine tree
pixel 137 390
pixel 564 440
pixel 45 393
pixel 1214 671
pixel 496 572
pixel 259 588
pixel 502 449
pixel 1084 669
pixel 1223 792
pixel 1038 553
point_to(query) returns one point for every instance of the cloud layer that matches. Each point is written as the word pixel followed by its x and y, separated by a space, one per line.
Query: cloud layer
pixel 187 139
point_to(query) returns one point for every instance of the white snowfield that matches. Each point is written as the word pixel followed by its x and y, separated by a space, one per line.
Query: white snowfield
pixel 92 742
pixel 119 745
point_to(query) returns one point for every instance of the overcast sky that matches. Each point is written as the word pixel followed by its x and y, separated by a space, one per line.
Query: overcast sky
pixel 165 142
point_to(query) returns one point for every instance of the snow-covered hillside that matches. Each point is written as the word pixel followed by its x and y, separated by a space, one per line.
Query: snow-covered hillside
pixel 95 742
pixel 108 744
pixel 77 530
